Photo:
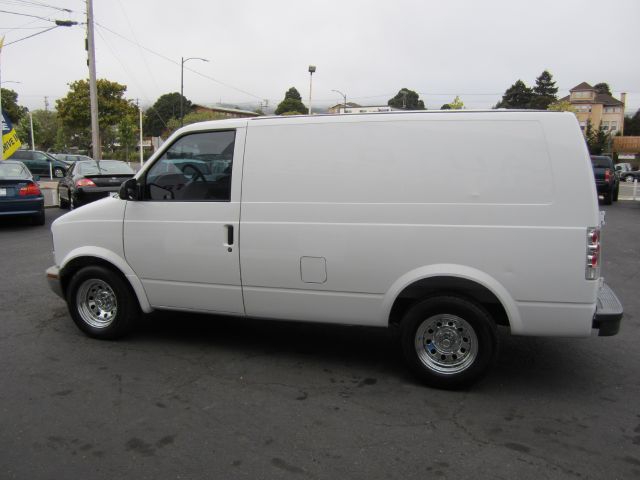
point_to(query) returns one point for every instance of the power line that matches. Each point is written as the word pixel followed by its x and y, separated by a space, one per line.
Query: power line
pixel 32 35
pixel 27 15
pixel 33 3
pixel 208 77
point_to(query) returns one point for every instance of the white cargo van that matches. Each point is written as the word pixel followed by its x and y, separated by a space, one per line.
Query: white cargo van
pixel 444 224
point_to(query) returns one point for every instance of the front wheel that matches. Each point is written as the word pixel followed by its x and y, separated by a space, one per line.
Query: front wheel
pixel 448 341
pixel 629 179
pixel 101 303
pixel 58 172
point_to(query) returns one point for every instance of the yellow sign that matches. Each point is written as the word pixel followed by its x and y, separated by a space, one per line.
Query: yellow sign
pixel 10 141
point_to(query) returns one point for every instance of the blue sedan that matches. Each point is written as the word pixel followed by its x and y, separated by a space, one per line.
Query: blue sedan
pixel 20 194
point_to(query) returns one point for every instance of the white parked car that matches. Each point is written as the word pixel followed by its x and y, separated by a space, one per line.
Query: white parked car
pixel 348 219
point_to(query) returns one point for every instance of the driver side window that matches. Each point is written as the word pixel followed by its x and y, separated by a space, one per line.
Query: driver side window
pixel 197 167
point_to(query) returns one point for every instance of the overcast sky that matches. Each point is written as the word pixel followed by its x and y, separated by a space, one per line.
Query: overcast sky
pixel 257 49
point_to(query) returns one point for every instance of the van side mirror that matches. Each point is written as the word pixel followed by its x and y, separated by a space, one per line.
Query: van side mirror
pixel 130 190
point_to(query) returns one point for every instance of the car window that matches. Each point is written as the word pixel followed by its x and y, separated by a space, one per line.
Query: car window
pixel 106 167
pixel 601 162
pixel 13 170
pixel 19 155
pixel 196 167
pixel 41 157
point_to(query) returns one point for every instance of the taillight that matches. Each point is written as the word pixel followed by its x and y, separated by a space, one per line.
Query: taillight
pixel 593 254
pixel 30 189
pixel 85 182
pixel 607 175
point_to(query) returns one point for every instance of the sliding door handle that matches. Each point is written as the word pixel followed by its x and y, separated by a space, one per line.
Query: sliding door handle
pixel 229 229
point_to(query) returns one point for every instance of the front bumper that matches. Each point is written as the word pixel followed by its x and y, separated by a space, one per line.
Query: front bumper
pixel 53 278
pixel 609 312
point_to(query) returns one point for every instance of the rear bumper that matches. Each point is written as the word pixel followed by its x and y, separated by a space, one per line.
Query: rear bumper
pixel 22 206
pixel 91 194
pixel 609 312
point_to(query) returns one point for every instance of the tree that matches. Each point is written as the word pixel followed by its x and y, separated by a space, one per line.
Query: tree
pixel 544 93
pixel 598 140
pixel 406 99
pixel 10 105
pixel 602 88
pixel 167 106
pixel 193 117
pixel 446 106
pixel 75 113
pixel 517 95
pixel 632 124
pixel 128 134
pixel 45 129
pixel 563 106
pixel 292 103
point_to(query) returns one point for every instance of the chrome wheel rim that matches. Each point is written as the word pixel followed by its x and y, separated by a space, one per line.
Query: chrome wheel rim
pixel 58 173
pixel 446 344
pixel 97 303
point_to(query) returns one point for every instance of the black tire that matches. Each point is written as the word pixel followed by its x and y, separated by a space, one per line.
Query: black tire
pixel 62 203
pixel 607 198
pixel 38 219
pixel 72 202
pixel 448 341
pixel 58 172
pixel 101 303
pixel 616 192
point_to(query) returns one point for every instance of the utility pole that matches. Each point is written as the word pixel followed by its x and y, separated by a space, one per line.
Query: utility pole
pixel 93 88
pixel 33 142
pixel 46 103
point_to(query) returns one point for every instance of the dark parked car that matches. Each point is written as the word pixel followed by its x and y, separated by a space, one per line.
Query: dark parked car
pixel 19 192
pixel 38 163
pixel 87 181
pixel 607 182
pixel 71 157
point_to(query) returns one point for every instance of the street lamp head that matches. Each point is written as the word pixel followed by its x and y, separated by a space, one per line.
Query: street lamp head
pixel 312 68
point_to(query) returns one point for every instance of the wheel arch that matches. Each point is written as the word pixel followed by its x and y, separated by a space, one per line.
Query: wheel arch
pixel 451 279
pixel 86 256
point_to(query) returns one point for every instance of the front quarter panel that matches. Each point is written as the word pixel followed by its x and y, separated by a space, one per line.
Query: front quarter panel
pixel 95 230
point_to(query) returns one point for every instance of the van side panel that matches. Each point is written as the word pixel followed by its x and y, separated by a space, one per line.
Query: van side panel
pixel 376 197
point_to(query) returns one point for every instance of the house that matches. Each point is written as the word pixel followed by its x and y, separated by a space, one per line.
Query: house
pixel 355 108
pixel 225 112
pixel 599 108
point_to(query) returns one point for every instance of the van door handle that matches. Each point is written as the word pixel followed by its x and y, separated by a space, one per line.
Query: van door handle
pixel 229 235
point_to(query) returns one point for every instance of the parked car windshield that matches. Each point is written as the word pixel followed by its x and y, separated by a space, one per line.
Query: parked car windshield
pixel 13 170
pixel 107 167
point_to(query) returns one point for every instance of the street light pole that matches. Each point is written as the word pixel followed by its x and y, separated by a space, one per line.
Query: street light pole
pixel 183 60
pixel 312 69
pixel 344 95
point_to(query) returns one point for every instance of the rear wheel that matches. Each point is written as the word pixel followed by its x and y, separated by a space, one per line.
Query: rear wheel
pixel 616 192
pixel 607 198
pixel 58 172
pixel 448 341
pixel 101 303
pixel 628 179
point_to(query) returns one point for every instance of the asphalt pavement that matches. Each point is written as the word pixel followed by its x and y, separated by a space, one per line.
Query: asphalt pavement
pixel 191 397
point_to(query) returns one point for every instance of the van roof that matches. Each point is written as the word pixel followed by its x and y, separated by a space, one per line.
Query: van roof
pixel 353 117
